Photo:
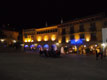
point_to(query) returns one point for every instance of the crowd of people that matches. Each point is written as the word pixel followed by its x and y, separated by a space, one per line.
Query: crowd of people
pixel 49 53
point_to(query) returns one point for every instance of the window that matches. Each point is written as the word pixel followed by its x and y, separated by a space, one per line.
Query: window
pixel 55 30
pixel 82 36
pixel 63 31
pixel 93 27
pixel 72 37
pixel 47 31
pixel 63 39
pixel 25 35
pixel 93 36
pixel 72 30
pixel 81 28
pixel 32 36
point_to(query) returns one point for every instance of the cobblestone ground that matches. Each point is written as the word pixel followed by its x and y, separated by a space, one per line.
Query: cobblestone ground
pixel 28 66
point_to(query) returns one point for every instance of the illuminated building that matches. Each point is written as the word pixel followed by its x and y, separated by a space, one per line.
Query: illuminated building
pixel 88 29
pixel 85 31
pixel 9 37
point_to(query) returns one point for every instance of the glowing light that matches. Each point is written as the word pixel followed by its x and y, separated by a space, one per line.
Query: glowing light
pixel 14 41
pixel 87 39
pixel 46 38
pixel 25 40
pixel 76 40
pixel 32 41
pixel 67 41
pixel 39 38
pixel 80 41
pixel 2 40
pixel 29 40
pixel 103 45
pixel 46 46
pixel 95 45
pixel 59 41
pixel 35 44
pixel 31 46
pixel 57 44
pixel 85 46
pixel 53 38
pixel 26 46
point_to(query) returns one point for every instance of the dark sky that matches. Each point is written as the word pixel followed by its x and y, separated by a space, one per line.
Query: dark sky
pixel 26 14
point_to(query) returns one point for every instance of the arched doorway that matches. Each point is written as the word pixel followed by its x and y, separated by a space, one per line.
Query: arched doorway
pixel 54 47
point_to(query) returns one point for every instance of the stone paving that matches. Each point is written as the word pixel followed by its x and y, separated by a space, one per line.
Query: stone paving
pixel 22 66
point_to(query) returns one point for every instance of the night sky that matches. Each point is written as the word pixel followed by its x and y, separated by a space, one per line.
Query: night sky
pixel 25 14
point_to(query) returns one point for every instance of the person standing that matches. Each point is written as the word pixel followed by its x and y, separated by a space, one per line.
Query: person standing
pixel 101 53
pixel 97 53
pixel 41 51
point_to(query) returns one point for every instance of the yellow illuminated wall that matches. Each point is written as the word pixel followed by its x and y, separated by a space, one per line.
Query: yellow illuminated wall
pixel 67 38
pixel 46 38
pixel 49 36
pixel 77 36
pixel 39 38
pixel 87 37
pixel 27 40
pixel 53 37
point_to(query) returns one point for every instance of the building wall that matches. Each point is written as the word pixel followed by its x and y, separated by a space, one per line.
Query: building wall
pixel 87 33
pixel 29 35
pixel 10 37
pixel 46 37
pixel 11 34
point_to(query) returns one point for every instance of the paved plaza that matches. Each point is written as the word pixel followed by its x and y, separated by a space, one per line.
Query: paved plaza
pixel 29 66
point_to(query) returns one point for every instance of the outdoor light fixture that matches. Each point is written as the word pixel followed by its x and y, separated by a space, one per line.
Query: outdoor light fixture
pixel 29 40
pixel 2 40
pixel 46 38
pixel 67 41
pixel 14 41
pixel 87 39
pixel 39 38
pixel 25 40
pixel 75 42
pixel 53 37
pixel 103 45
pixel 57 44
